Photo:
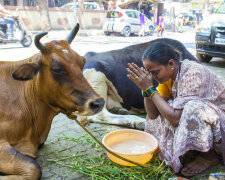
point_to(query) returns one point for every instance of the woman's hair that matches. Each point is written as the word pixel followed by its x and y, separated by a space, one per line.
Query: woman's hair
pixel 160 53
pixel 142 10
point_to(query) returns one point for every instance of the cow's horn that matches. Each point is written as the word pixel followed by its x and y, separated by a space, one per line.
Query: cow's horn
pixel 72 34
pixel 37 42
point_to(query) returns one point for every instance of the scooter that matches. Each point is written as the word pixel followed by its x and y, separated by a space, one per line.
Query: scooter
pixel 21 34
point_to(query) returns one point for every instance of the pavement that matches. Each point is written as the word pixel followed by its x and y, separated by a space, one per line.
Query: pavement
pixel 57 147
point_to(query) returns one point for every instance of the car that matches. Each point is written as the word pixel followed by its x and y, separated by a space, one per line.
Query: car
pixel 210 36
pixel 126 22
pixel 87 6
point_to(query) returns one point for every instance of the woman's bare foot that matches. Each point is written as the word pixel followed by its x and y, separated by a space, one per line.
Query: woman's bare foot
pixel 201 163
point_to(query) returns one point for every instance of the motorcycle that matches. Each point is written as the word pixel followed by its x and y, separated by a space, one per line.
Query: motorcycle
pixel 21 34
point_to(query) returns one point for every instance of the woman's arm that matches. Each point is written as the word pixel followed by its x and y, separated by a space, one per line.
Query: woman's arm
pixel 143 80
pixel 151 109
pixel 171 114
pixel 156 104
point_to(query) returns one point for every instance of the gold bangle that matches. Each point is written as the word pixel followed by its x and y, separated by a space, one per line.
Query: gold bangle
pixel 152 94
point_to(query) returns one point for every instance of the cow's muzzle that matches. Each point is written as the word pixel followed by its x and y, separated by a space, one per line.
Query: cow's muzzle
pixel 92 107
pixel 96 106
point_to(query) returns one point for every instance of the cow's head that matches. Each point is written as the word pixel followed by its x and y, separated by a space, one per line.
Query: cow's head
pixel 56 74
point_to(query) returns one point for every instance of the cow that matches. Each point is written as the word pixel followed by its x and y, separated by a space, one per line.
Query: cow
pixel 33 91
pixel 106 72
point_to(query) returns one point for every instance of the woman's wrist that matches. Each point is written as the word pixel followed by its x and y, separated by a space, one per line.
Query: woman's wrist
pixel 149 92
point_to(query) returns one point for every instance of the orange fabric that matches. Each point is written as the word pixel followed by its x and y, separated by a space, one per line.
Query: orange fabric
pixel 165 88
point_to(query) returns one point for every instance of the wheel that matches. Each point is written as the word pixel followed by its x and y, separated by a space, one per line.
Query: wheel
pixel 107 33
pixel 151 29
pixel 203 58
pixel 26 41
pixel 126 31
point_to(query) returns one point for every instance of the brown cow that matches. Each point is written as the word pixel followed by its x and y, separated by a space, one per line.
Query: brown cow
pixel 49 82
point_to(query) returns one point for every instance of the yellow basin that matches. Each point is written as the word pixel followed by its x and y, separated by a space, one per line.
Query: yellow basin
pixel 134 145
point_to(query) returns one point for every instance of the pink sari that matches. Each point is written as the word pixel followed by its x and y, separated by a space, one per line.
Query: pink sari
pixel 201 95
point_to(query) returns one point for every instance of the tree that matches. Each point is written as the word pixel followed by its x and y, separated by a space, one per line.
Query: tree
pixel 45 20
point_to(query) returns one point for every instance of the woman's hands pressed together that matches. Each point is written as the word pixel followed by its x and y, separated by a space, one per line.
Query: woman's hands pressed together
pixel 140 76
pixel 157 104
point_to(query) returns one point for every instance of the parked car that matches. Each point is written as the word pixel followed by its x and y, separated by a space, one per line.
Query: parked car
pixel 125 22
pixel 87 6
pixel 210 36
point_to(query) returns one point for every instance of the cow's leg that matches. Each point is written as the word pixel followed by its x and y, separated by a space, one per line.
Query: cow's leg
pixel 17 166
pixel 130 121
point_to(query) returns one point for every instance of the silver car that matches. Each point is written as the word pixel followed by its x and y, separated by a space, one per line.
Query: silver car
pixel 126 22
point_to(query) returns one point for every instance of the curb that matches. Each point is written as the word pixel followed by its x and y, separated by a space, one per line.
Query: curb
pixel 82 33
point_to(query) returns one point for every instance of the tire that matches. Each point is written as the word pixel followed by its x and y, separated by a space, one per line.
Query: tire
pixel 26 41
pixel 203 58
pixel 107 33
pixel 126 31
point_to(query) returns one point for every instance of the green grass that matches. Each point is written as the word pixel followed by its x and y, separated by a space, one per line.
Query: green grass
pixel 93 162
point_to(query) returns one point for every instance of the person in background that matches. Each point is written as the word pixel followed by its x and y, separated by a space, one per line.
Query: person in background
pixel 198 17
pixel 187 112
pixel 179 23
pixel 160 25
pixel 4 19
pixel 142 23
pixel 151 14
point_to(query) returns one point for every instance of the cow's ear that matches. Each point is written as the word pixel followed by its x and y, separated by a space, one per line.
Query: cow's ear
pixel 26 71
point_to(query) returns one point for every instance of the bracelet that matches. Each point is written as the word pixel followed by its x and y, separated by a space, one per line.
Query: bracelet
pixel 152 94
pixel 148 92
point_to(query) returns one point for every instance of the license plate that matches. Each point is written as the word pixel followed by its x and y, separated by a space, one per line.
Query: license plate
pixel 219 41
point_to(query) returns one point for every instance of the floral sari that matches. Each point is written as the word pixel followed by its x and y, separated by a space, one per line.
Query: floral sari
pixel 201 96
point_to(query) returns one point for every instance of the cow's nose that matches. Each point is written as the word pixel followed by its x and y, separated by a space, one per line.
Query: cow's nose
pixel 97 105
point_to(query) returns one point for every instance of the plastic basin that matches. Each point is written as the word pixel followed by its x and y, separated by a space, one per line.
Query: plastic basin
pixel 134 145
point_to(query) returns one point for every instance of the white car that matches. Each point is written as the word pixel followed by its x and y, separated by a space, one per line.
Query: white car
pixel 126 22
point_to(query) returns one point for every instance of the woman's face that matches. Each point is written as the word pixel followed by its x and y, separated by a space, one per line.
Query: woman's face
pixel 160 73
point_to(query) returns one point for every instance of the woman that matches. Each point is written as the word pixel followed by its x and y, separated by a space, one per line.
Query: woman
pixel 188 111
pixel 160 25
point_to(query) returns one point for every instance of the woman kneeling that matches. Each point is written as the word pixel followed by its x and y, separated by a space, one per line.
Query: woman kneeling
pixel 188 110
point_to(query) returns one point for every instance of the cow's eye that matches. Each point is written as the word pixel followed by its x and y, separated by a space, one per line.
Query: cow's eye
pixel 58 70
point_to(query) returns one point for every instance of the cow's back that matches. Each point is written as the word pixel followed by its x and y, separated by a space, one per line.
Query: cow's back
pixel 114 63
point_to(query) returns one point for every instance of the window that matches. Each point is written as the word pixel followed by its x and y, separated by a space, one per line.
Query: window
pixel 31 3
pixel 113 14
pixel 6 2
pixel 137 13
pixel 131 14
pixel 57 3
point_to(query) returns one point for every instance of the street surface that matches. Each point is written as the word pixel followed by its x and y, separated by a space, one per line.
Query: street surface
pixel 53 147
